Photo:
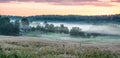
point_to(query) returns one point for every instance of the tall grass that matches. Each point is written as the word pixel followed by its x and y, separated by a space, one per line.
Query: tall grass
pixel 42 50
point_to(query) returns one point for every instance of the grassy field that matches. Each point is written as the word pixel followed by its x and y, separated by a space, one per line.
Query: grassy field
pixel 57 36
pixel 34 47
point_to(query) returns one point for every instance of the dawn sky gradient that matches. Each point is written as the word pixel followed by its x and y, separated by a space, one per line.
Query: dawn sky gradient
pixel 59 7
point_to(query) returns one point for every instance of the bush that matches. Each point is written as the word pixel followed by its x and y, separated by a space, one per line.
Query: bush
pixel 75 31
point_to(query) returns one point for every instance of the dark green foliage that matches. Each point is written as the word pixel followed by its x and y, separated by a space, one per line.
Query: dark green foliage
pixel 75 31
pixel 17 24
pixel 74 18
pixel 40 28
pixel 4 20
pixel 25 21
pixel 49 28
pixel 7 28
pixel 17 27
pixel 57 29
pixel 64 29
pixel 25 24
pixel 77 18
pixel 33 29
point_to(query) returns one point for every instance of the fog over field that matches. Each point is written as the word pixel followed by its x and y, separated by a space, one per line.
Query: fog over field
pixel 108 28
pixel 102 25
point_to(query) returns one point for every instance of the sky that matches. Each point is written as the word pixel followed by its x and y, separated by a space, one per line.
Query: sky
pixel 59 7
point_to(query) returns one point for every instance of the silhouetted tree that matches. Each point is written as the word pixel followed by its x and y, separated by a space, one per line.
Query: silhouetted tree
pixel 49 28
pixel 63 29
pixel 33 29
pixel 75 31
pixel 4 20
pixel 57 29
pixel 7 28
pixel 25 21
pixel 17 23
pixel 17 27
pixel 25 24
pixel 62 26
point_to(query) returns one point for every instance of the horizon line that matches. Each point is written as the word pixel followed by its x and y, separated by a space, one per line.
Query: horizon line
pixel 61 15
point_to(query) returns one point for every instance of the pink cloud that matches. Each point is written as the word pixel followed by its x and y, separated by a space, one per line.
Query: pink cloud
pixel 66 2
pixel 94 3
pixel 115 0
pixel 47 0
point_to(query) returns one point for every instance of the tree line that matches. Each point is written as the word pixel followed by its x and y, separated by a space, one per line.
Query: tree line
pixel 73 18
pixel 78 18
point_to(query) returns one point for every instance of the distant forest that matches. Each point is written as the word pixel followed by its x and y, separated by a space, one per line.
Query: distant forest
pixel 74 18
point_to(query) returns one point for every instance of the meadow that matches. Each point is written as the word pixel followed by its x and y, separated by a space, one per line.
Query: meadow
pixel 35 47
pixel 62 36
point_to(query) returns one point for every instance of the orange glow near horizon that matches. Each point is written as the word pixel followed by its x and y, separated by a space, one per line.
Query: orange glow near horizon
pixel 32 8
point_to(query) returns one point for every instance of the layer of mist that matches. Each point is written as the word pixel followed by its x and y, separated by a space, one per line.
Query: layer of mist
pixel 111 29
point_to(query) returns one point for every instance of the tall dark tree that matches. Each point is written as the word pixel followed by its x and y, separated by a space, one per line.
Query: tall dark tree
pixel 25 25
pixel 63 29
pixel 4 20
pixel 17 23
pixel 17 26
pixel 62 26
pixel 50 28
pixel 7 28
pixel 25 21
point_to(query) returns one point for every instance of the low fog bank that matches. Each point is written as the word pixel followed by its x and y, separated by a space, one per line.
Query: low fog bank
pixel 110 29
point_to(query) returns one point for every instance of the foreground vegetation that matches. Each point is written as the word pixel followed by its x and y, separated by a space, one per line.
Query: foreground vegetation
pixel 32 49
